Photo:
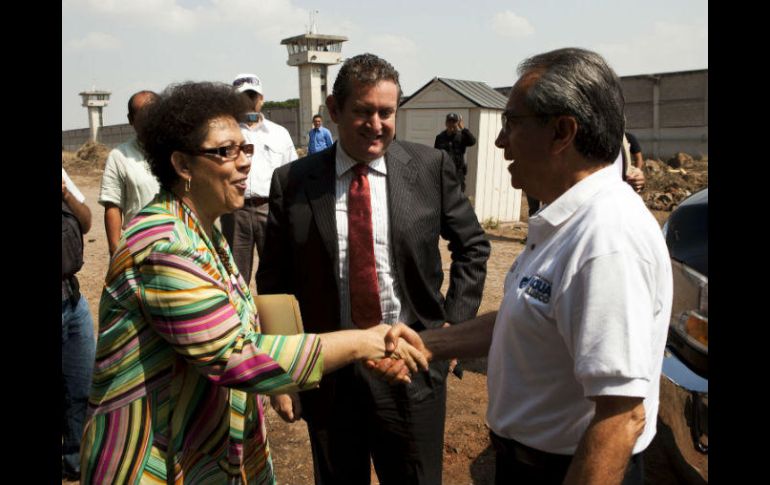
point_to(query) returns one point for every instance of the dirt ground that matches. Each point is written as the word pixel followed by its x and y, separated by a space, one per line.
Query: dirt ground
pixel 468 458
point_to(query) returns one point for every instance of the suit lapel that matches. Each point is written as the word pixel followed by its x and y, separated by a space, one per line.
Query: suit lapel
pixel 320 190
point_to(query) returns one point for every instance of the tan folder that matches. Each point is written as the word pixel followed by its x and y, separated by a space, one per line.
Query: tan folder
pixel 279 314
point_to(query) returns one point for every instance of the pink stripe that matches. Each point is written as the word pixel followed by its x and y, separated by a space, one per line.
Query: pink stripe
pixel 128 347
pixel 251 366
pixel 209 418
pixel 205 322
pixel 108 451
pixel 147 233
pixel 302 362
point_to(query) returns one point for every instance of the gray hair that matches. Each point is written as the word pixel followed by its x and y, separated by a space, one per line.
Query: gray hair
pixel 366 69
pixel 579 83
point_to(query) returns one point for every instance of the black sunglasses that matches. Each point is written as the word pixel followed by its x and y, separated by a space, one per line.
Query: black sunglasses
pixel 229 152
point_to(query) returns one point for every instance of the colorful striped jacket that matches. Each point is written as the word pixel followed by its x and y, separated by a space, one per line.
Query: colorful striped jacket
pixel 180 360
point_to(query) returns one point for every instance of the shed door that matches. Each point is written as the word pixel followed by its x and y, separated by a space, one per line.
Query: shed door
pixel 422 125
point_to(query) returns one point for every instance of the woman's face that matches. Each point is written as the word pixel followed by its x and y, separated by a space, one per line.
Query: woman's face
pixel 218 184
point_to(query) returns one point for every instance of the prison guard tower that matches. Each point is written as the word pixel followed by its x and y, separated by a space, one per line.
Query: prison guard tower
pixel 95 101
pixel 312 53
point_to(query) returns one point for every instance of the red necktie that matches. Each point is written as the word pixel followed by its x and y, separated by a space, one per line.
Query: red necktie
pixel 362 271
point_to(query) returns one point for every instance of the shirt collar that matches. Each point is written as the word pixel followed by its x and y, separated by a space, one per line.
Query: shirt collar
pixel 561 209
pixel 263 126
pixel 345 162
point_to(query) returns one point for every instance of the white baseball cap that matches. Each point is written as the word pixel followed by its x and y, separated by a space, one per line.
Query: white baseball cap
pixel 247 82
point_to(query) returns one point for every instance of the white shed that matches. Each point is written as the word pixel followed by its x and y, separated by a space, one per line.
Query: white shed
pixel 488 184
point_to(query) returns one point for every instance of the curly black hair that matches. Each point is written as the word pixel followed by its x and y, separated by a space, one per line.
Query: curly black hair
pixel 178 121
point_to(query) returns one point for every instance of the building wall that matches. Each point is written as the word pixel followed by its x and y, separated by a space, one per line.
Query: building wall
pixel 111 136
pixel 289 119
pixel 488 183
pixel 668 112
pixel 493 196
pixel 114 135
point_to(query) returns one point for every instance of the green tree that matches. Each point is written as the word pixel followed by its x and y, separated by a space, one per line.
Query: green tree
pixel 289 103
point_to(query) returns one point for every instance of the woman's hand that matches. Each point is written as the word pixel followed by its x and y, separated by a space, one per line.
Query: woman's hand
pixel 287 406
pixel 401 357
pixel 397 348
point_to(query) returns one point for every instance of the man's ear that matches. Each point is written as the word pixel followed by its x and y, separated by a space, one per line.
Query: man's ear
pixel 331 104
pixel 564 132
pixel 181 164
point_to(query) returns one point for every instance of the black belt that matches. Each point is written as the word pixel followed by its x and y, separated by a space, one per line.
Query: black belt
pixel 255 201
pixel 70 289
pixel 531 456
pixel 528 455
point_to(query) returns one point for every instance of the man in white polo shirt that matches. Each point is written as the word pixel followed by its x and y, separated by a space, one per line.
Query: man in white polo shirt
pixel 244 229
pixel 128 184
pixel 576 348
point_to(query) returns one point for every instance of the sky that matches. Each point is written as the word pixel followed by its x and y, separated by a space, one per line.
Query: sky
pixel 123 46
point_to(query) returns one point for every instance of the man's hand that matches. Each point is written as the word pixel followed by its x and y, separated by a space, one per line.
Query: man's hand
pixel 453 362
pixel 287 406
pixel 635 178
pixel 399 348
pixel 399 339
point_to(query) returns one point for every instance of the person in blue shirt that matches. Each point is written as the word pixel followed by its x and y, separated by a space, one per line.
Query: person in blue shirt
pixel 320 137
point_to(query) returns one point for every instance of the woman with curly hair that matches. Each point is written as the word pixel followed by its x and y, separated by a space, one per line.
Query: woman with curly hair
pixel 180 359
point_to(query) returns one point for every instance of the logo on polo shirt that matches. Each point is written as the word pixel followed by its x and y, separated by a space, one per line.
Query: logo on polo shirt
pixel 537 287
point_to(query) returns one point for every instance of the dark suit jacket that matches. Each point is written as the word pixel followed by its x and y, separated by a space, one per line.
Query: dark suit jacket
pixel 301 252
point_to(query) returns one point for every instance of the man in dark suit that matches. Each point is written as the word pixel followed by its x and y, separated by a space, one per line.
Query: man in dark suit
pixel 353 232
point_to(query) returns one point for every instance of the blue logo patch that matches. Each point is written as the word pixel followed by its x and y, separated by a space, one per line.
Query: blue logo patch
pixel 537 287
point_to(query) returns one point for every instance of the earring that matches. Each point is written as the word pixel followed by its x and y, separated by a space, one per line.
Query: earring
pixel 187 185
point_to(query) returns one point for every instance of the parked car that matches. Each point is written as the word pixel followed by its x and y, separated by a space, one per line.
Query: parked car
pixel 682 440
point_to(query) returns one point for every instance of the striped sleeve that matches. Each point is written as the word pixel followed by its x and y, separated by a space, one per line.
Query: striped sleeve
pixel 194 312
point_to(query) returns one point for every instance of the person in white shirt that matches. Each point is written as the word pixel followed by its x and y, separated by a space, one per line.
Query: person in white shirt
pixel 244 229
pixel 127 183
pixel 576 347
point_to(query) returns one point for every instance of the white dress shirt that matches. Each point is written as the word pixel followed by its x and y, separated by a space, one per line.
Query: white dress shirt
pixel 390 293
pixel 272 148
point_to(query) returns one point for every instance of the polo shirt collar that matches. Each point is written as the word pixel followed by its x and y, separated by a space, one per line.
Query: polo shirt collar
pixel 561 209
pixel 261 127
pixel 344 162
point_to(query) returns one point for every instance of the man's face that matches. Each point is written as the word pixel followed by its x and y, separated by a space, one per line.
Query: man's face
pixel 451 125
pixel 526 140
pixel 367 122
pixel 257 100
pixel 316 122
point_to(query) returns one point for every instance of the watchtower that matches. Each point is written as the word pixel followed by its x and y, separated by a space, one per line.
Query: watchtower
pixel 95 100
pixel 312 54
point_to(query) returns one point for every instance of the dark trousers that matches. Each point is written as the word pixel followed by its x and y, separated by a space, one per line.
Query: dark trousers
pixel 516 463
pixel 244 229
pixel 353 416
pixel 461 173
pixel 461 168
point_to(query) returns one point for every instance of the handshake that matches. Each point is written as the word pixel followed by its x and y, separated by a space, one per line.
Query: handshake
pixel 392 352
pixel 404 353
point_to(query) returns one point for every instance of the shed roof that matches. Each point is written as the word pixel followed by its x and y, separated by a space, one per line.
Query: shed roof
pixel 477 92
